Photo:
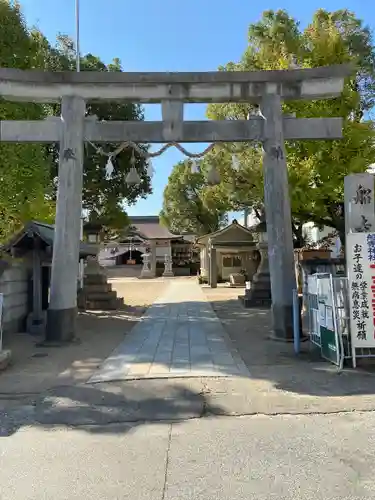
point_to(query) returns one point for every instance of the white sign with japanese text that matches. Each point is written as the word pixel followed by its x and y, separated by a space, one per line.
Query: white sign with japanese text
pixel 359 203
pixel 360 251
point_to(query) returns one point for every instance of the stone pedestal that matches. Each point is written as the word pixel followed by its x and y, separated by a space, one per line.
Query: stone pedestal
pixel 97 293
pixel 93 267
pixel 259 293
pixel 168 273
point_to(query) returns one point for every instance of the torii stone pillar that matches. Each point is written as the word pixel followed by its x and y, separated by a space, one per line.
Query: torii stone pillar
pixel 172 90
pixel 62 311
pixel 278 216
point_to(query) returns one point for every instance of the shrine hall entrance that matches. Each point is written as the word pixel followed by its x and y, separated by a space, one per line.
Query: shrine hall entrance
pixel 130 258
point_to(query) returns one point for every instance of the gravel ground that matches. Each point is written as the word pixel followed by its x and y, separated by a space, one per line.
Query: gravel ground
pixel 35 369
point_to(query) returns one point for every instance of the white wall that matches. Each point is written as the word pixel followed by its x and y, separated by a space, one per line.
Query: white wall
pixel 315 234
pixel 204 262
pixel 13 284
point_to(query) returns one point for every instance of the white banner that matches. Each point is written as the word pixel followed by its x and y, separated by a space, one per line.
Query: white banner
pixel 312 284
pixel 360 251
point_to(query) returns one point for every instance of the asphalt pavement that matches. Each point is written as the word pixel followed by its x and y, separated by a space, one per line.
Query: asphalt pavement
pixel 258 457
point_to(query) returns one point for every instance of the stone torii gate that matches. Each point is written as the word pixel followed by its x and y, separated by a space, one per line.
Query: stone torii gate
pixel 172 90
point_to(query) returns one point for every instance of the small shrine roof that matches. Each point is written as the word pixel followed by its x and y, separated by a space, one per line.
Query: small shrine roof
pixel 46 232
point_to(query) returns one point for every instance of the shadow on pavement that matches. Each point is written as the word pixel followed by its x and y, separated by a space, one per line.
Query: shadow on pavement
pixel 96 409
pixel 266 359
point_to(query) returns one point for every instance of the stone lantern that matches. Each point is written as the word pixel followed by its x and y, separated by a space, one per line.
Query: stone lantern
pixel 262 247
pixel 259 291
pixel 92 231
pixel 146 268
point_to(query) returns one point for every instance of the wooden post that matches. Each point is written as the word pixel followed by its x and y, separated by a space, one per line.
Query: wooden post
pixel 153 258
pixel 37 281
pixel 278 217
pixel 62 312
pixel 35 321
pixel 213 268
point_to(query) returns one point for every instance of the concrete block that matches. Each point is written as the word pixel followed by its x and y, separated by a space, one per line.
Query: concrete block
pixel 10 287
pixel 15 300
pixel 17 273
pixel 5 358
pixel 11 313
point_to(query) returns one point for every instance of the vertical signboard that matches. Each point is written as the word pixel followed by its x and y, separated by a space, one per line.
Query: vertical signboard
pixel 359 203
pixel 361 273
pixel 329 340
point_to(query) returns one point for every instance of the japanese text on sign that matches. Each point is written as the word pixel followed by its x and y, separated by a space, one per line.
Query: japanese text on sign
pixel 371 258
pixel 361 272
pixel 362 195
pixel 360 305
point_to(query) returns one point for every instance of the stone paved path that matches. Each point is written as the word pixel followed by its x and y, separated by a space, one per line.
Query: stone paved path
pixel 179 336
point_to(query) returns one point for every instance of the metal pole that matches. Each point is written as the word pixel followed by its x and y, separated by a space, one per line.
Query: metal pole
pixel 296 324
pixel 78 62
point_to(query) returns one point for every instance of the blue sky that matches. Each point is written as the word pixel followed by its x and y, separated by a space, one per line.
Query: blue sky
pixel 169 35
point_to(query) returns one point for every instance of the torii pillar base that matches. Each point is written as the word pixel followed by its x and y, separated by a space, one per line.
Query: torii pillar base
pixel 61 325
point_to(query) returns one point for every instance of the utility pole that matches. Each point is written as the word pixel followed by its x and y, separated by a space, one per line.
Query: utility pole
pixel 78 69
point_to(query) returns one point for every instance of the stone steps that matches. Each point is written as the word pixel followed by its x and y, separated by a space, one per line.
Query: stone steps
pixel 95 279
pixel 98 288
pixel 104 305
pixel 97 293
pixel 100 295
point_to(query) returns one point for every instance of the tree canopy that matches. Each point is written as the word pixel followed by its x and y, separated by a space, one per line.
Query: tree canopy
pixel 24 168
pixel 316 168
pixel 188 206
pixel 28 172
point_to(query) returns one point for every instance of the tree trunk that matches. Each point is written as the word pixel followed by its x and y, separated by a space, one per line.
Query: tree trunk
pixel 342 234
pixel 299 240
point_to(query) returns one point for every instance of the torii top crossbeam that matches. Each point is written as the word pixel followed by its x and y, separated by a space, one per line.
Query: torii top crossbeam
pixel 216 86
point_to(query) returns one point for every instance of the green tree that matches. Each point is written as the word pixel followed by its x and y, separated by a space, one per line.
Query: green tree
pixel 102 199
pixel 189 205
pixel 24 168
pixel 316 168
